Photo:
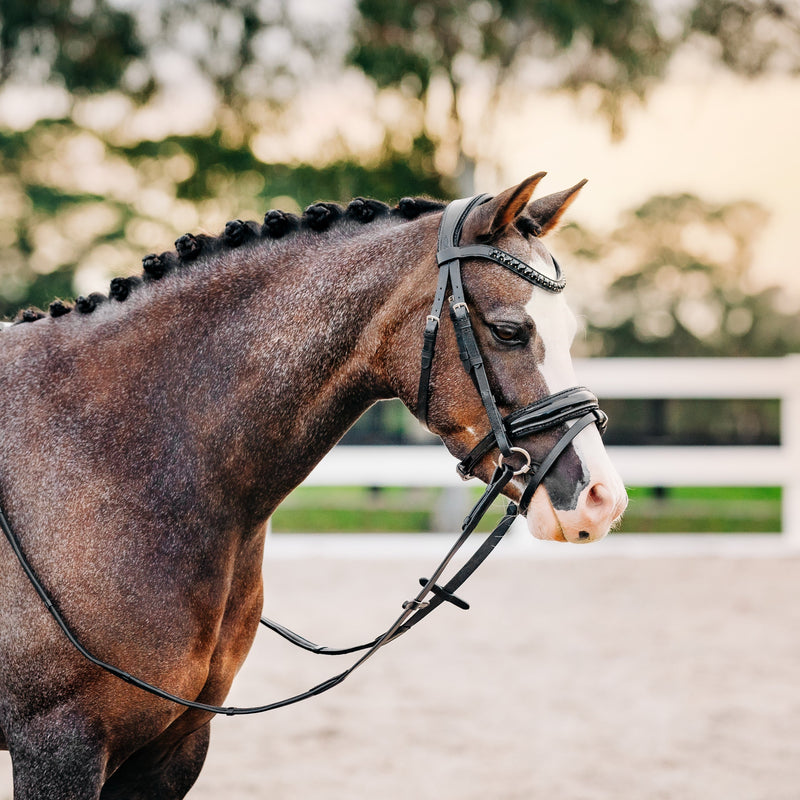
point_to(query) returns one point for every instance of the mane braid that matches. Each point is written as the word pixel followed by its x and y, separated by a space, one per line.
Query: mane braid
pixel 155 267
pixel 318 218
pixel 122 287
pixel 278 223
pixel 59 308
pixel 29 315
pixel 238 232
pixel 363 210
pixel 411 207
pixel 85 305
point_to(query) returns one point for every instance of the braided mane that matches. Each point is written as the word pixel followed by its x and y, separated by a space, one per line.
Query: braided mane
pixel 317 218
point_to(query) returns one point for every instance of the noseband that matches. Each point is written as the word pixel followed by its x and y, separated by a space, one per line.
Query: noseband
pixel 577 404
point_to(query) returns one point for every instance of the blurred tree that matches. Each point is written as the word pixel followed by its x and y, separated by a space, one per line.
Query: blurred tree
pixel 78 210
pixel 94 177
pixel 84 194
pixel 750 36
pixel 84 47
pixel 243 48
pixel 683 285
pixel 437 53
pixel 448 55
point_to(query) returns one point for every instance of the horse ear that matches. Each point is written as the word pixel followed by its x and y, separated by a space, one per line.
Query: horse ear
pixel 499 212
pixel 547 211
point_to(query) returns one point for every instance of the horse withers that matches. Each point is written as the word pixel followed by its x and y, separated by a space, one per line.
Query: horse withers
pixel 148 436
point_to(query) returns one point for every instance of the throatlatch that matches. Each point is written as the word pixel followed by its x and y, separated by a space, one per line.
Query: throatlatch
pixel 576 404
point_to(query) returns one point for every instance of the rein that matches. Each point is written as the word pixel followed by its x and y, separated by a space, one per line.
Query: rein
pixel 576 404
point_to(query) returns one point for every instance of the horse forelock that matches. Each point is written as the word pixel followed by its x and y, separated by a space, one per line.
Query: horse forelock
pixel 195 252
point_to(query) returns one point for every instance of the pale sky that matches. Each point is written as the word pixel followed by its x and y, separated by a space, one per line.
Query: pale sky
pixel 711 134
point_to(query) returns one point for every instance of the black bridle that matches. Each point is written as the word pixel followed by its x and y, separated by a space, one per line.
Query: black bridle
pixel 576 404
pixel 553 411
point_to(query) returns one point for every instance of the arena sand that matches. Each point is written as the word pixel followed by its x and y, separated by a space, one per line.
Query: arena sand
pixel 617 678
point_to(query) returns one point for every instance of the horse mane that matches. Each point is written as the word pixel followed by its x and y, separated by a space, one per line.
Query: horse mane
pixel 317 218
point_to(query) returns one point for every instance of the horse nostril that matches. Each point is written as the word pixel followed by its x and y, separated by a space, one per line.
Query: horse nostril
pixel 598 495
pixel 601 504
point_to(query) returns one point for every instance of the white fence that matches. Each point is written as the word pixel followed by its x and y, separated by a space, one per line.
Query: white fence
pixel 700 378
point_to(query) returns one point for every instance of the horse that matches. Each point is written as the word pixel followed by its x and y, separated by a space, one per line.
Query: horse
pixel 148 436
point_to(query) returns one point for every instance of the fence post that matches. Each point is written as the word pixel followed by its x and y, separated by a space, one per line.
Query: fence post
pixel 790 441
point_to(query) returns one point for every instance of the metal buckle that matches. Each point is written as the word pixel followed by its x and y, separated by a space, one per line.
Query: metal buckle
pixel 523 469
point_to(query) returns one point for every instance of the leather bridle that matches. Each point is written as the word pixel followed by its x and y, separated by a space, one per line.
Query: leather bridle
pixel 576 404
pixel 553 411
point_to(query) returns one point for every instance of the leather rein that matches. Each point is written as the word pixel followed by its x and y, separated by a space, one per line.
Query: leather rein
pixel 577 404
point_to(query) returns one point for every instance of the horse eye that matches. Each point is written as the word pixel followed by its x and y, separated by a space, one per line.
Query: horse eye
pixel 508 334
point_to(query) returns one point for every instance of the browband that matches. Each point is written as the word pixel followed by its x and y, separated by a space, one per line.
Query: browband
pixel 504 259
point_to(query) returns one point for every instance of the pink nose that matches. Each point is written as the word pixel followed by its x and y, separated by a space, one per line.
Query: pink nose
pixel 598 508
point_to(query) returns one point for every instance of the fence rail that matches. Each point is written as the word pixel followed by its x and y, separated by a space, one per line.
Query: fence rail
pixel 698 378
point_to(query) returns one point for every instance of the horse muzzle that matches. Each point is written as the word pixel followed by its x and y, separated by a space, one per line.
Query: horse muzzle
pixel 598 510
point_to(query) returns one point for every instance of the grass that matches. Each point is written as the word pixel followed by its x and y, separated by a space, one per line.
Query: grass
pixel 356 509
pixel 704 510
pixel 682 509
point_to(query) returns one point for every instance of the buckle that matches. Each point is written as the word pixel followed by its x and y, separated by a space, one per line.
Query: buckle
pixel 464 471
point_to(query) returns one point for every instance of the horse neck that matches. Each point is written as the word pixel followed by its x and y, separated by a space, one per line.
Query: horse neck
pixel 251 368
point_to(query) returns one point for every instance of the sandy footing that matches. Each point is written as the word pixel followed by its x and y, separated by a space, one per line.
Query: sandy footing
pixel 580 679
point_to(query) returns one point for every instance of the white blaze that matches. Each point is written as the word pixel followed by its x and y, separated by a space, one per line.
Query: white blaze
pixel 556 326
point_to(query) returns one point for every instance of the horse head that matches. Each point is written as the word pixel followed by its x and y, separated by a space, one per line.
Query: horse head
pixel 523 330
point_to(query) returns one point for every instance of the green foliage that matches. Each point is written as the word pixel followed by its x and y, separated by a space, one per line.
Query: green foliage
pixel 94 46
pixel 405 45
pixel 86 47
pixel 703 509
pixel 625 30
pixel 681 509
pixel 66 210
pixel 490 30
pixel 49 199
pixel 394 175
pixel 356 509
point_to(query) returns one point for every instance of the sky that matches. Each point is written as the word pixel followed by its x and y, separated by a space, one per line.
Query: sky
pixel 704 131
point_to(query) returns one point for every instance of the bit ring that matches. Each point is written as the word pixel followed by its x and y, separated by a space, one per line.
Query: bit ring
pixel 525 468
